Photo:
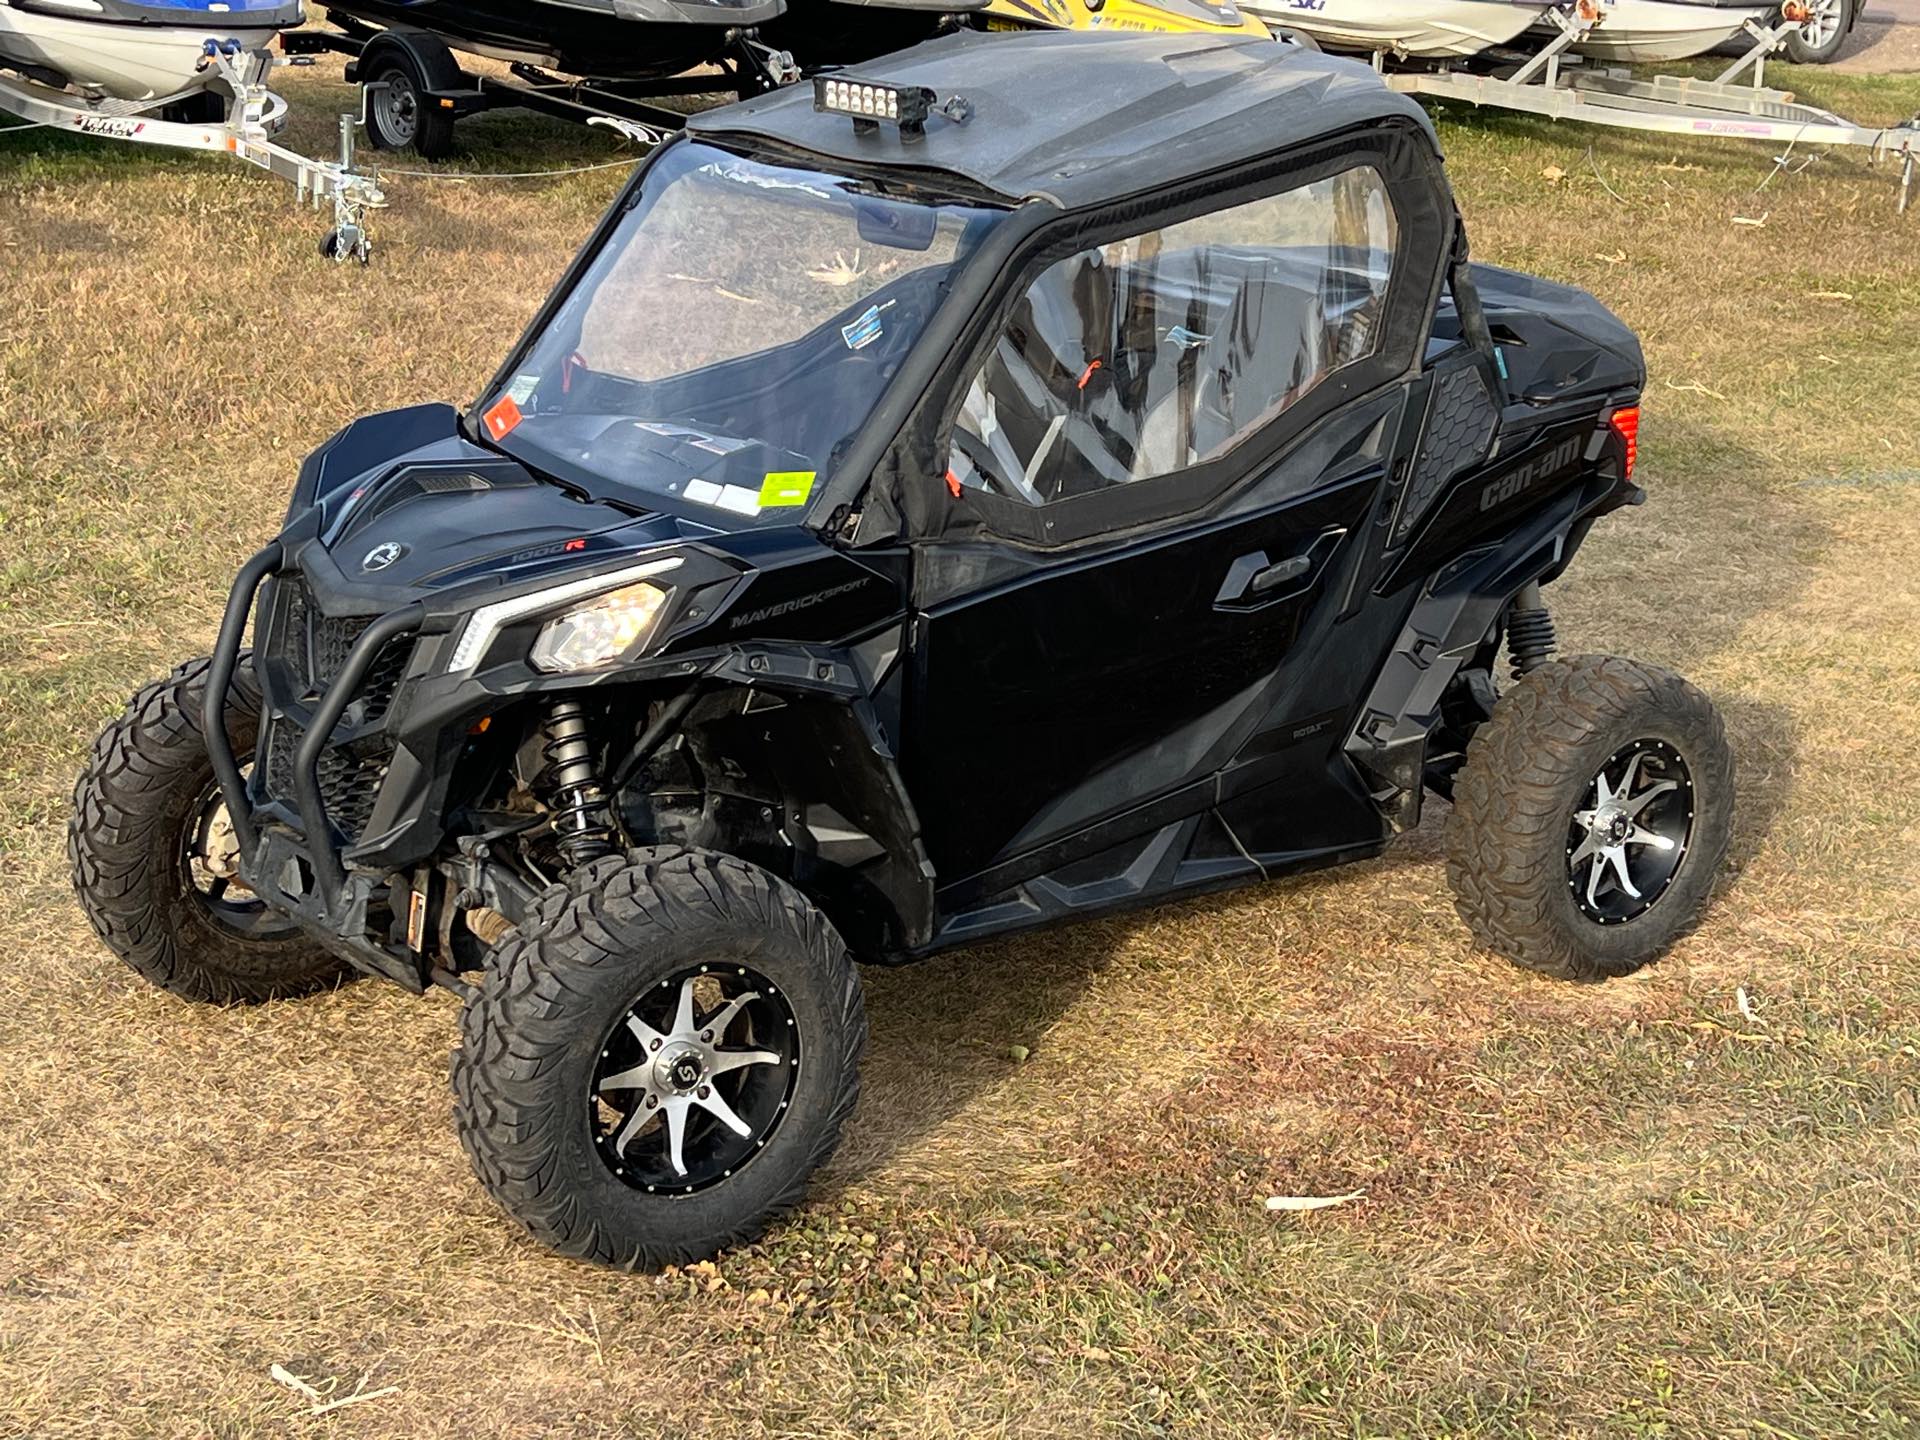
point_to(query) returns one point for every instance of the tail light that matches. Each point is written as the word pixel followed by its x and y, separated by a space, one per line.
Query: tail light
pixel 1626 424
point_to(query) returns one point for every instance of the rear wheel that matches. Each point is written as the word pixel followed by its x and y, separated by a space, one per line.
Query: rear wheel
pixel 1590 817
pixel 661 1057
pixel 155 860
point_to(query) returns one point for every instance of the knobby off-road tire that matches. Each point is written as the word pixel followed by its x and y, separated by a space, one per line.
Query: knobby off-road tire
pixel 146 786
pixel 1531 767
pixel 525 1075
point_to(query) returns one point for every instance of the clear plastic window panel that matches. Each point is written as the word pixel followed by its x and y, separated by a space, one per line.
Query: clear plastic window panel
pixel 1152 354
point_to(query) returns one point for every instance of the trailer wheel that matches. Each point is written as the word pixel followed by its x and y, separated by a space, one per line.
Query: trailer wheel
pixel 401 115
pixel 1819 41
pixel 209 107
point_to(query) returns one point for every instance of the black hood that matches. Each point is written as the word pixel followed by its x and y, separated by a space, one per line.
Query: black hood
pixel 401 505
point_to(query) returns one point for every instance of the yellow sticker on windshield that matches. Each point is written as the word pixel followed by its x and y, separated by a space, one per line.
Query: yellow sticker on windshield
pixel 786 487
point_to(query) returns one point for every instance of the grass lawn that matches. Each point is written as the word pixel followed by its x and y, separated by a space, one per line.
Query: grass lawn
pixel 1637 1209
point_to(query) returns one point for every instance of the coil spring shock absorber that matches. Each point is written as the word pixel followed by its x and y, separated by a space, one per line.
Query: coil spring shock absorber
pixel 578 801
pixel 1530 639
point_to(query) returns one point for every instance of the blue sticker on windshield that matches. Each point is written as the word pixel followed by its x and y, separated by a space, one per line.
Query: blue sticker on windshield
pixel 864 331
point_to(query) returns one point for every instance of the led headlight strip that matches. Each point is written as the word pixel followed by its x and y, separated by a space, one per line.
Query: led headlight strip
pixel 489 620
pixel 869 102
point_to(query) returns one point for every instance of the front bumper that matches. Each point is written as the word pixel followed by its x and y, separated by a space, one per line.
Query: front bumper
pixel 311 751
pixel 365 727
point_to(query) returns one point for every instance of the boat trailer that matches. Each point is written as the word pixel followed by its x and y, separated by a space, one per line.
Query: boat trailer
pixel 256 116
pixel 741 66
pixel 1553 84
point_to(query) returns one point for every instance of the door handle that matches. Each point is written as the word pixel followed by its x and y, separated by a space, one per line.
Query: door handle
pixel 1279 573
pixel 1257 580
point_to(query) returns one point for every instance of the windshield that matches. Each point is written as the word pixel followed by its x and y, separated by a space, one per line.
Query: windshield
pixel 734 334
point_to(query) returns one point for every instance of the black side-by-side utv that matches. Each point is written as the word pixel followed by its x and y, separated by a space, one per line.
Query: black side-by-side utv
pixel 1028 477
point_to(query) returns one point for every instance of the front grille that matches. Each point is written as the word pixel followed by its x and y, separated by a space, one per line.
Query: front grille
pixel 313 647
pixel 349 783
pixel 384 676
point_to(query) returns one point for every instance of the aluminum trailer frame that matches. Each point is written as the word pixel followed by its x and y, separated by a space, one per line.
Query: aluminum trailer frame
pixel 1667 104
pixel 256 116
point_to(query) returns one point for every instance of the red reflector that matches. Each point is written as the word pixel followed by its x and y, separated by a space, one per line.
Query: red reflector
pixel 1626 424
pixel 502 417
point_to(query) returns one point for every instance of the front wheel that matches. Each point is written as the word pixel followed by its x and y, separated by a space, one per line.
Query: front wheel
pixel 659 1059
pixel 1590 817
pixel 156 863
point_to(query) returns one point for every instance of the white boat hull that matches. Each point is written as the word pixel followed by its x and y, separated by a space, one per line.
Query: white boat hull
pixel 124 62
pixel 1431 29
pixel 1638 31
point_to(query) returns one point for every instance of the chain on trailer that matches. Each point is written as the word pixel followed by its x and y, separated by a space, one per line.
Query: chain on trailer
pixel 256 116
pixel 1557 86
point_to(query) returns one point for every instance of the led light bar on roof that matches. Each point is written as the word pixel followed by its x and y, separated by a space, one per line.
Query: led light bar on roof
pixel 869 103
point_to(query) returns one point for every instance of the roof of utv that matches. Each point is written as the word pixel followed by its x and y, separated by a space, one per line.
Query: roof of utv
pixel 1083 118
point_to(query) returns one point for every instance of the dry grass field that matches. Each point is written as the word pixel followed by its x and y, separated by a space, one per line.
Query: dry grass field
pixel 1684 1204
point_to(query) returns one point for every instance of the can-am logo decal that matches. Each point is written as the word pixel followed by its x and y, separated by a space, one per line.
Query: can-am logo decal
pixel 1524 477
pixel 788 607
pixel 381 556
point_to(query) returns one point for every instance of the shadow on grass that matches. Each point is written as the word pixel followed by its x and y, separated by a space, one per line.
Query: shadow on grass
pixel 942 1031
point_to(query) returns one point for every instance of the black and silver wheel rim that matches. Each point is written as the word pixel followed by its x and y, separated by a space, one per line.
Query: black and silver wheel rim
pixel 396 106
pixel 1630 831
pixel 210 872
pixel 693 1079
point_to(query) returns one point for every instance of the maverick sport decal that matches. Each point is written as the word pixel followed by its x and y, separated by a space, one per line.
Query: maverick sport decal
pixel 801 602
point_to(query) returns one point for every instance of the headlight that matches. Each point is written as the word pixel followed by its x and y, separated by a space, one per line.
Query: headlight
pixel 606 629
pixel 487 622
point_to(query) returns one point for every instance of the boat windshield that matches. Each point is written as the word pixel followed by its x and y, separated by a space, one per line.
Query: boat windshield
pixel 726 344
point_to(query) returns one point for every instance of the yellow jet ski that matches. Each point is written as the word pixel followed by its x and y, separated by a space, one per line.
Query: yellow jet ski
pixel 1168 16
pixel 823 32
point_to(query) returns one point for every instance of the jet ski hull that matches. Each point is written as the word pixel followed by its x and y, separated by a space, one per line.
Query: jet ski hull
pixel 122 60
pixel 1641 31
pixel 1430 29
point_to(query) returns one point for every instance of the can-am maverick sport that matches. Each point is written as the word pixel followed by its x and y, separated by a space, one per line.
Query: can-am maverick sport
pixel 937 501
